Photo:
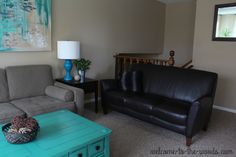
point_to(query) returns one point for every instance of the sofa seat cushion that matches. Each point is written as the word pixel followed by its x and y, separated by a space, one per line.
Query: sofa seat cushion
pixel 172 111
pixel 118 97
pixel 42 104
pixel 143 103
pixel 8 111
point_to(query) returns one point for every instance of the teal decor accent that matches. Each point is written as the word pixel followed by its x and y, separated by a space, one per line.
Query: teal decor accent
pixel 62 134
pixel 68 66
pixel 25 25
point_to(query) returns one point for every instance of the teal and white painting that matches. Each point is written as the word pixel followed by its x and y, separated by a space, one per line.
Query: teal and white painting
pixel 25 25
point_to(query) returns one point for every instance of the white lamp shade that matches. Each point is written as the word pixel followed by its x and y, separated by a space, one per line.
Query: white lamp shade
pixel 68 49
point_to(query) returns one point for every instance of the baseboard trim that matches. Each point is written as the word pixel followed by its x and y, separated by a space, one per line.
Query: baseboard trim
pixel 224 109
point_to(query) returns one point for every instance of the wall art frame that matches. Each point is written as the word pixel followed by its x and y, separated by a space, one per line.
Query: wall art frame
pixel 25 25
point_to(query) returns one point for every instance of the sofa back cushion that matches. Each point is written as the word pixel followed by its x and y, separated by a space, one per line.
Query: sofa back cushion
pixel 4 94
pixel 182 84
pixel 28 81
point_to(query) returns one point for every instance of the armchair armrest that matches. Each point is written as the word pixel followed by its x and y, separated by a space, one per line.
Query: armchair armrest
pixel 59 93
pixel 108 84
pixel 78 96
pixel 199 115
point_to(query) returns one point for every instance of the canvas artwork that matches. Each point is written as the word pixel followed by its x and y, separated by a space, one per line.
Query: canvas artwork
pixel 25 25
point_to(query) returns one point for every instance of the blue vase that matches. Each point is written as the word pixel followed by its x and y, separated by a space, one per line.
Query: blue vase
pixel 68 66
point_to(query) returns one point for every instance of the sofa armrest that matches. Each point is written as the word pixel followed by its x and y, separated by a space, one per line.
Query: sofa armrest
pixel 108 84
pixel 199 115
pixel 78 96
pixel 59 93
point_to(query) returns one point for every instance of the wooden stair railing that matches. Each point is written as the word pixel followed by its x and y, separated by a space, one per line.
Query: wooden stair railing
pixel 123 60
pixel 188 65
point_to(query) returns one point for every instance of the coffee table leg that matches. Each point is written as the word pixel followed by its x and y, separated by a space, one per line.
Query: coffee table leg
pixel 107 147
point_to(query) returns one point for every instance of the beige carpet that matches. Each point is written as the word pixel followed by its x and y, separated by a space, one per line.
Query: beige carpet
pixel 135 138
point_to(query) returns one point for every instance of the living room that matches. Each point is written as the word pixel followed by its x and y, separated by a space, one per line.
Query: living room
pixel 108 27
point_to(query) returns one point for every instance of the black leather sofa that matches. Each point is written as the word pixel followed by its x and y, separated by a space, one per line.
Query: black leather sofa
pixel 177 99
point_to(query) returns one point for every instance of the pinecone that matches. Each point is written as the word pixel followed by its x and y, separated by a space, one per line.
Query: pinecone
pixel 20 122
pixel 31 123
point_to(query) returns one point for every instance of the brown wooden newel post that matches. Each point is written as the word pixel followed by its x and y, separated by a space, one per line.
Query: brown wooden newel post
pixel 171 60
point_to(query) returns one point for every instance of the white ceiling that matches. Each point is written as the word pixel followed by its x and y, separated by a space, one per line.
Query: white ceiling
pixel 173 1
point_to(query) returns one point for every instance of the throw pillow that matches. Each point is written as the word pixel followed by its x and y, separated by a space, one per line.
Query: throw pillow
pixel 131 81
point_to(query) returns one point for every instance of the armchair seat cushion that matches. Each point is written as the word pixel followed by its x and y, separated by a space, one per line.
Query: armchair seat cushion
pixel 8 111
pixel 42 104
pixel 172 111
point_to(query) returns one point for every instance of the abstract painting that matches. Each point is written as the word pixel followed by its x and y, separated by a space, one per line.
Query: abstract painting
pixel 25 25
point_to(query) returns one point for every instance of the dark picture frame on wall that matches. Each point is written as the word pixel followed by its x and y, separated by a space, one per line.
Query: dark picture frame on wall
pixel 224 24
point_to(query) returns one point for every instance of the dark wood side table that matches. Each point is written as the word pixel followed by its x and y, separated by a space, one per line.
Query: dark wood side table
pixel 89 86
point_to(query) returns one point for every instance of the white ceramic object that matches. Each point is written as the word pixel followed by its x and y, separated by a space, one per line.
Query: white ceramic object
pixel 76 77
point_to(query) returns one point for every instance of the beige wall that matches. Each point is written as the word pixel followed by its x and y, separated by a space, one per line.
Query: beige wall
pixel 215 56
pixel 103 27
pixel 179 30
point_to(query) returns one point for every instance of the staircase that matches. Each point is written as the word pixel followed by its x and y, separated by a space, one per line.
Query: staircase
pixel 124 60
pixel 188 65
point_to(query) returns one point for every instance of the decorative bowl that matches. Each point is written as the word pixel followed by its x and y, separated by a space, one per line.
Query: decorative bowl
pixel 18 138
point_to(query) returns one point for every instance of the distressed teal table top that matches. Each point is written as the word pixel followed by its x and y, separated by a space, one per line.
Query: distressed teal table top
pixel 60 132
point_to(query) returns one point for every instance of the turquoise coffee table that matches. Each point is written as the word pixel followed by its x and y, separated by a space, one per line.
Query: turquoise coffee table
pixel 62 134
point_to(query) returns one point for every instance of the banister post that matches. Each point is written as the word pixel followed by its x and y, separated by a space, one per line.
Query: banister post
pixel 117 65
pixel 171 60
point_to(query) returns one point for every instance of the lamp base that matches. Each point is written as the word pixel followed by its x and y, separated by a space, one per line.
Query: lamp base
pixel 68 66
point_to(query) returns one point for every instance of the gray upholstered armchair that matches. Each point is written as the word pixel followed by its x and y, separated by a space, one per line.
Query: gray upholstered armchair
pixel 31 90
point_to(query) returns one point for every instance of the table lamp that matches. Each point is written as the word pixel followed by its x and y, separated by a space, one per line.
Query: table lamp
pixel 68 50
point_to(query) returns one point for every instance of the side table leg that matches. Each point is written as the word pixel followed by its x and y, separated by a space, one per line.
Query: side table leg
pixel 96 98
